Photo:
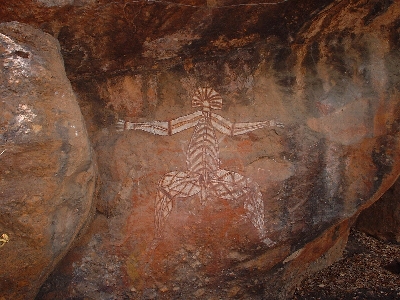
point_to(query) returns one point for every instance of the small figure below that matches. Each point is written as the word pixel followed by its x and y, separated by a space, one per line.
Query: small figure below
pixel 203 176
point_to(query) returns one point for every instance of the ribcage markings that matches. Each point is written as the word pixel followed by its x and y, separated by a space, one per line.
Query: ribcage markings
pixel 203 153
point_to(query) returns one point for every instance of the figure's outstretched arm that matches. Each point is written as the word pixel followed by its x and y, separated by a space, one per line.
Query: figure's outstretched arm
pixel 227 127
pixel 162 127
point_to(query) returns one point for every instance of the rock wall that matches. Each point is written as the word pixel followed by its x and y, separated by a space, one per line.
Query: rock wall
pixel 101 38
pixel 250 139
pixel 382 219
pixel 47 172
pixel 167 232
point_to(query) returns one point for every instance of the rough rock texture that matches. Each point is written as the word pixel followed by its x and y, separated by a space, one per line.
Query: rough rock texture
pixel 101 38
pixel 382 219
pixel 328 70
pixel 368 270
pixel 335 87
pixel 47 173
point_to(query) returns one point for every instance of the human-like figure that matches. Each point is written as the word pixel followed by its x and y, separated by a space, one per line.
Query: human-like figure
pixel 203 176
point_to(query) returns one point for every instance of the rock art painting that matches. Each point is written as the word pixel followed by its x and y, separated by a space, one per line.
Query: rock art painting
pixel 204 178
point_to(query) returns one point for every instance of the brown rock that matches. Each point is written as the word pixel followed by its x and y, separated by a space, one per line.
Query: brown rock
pixel 46 165
pixel 102 37
pixel 335 86
pixel 382 219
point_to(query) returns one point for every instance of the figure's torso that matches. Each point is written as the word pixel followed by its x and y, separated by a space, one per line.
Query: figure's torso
pixel 203 152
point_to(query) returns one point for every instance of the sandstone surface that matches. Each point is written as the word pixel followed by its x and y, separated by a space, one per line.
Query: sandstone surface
pixel 102 38
pixel 287 196
pixel 382 219
pixel 47 174
pixel 335 87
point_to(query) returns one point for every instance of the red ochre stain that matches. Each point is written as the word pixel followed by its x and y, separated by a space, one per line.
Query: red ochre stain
pixel 245 146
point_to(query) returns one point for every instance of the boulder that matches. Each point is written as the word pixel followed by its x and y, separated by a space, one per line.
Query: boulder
pixel 279 201
pixel 47 172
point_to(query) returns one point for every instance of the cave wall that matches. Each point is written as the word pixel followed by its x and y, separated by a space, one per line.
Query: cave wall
pixel 327 70
pixel 100 38
pixel 382 219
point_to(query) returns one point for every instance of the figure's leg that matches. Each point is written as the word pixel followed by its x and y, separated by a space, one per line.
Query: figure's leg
pixel 255 207
pixel 230 185
pixel 173 185
pixel 163 208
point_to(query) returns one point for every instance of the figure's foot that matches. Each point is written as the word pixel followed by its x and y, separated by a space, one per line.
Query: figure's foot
pixel 155 242
pixel 268 241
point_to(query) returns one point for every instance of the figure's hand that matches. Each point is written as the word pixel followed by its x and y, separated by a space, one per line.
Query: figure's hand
pixel 274 123
pixel 120 126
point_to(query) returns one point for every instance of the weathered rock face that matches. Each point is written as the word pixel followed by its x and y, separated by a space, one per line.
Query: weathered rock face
pixel 101 37
pixel 167 232
pixel 46 165
pixel 382 219
pixel 274 204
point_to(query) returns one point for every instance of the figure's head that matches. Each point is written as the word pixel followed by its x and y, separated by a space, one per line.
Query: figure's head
pixel 207 99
